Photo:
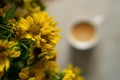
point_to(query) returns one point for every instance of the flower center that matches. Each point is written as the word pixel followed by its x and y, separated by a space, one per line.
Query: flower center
pixel 2 49
pixel 36 51
pixel 35 29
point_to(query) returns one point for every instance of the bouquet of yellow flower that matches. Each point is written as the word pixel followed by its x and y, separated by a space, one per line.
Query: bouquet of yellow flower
pixel 28 37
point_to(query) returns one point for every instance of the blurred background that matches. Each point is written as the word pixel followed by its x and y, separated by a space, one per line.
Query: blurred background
pixel 103 61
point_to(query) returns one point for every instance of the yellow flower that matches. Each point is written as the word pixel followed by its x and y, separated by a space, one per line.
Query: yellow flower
pixel 79 78
pixel 34 52
pixel 13 53
pixel 40 28
pixel 36 9
pixel 37 52
pixel 4 62
pixel 52 67
pixel 25 73
pixel 72 74
pixel 31 79
pixel 7 50
pixel 36 72
pixel 39 73
pixel 69 75
pixel 51 55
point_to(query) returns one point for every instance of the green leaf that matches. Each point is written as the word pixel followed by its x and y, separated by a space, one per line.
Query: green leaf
pixel 5 27
pixel 10 35
pixel 59 76
pixel 20 64
pixel 24 46
pixel 42 5
pixel 10 13
pixel 5 32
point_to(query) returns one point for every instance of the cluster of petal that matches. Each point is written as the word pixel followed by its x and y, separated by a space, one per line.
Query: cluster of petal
pixel 38 72
pixel 40 28
pixel 72 74
pixel 7 49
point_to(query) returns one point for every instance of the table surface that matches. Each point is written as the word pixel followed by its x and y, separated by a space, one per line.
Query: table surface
pixel 102 61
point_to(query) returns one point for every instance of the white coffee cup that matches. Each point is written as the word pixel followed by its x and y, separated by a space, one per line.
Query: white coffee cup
pixel 84 45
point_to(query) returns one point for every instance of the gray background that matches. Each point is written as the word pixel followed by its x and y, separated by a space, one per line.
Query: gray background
pixel 103 61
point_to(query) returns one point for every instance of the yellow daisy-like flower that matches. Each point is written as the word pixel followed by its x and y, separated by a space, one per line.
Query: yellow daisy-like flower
pixel 69 75
pixel 32 74
pixel 36 72
pixel 7 50
pixel 4 62
pixel 39 25
pixel 51 55
pixel 25 73
pixel 36 52
pixel 72 74
pixel 52 67
pixel 41 29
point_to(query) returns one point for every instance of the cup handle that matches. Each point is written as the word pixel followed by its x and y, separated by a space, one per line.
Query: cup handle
pixel 98 19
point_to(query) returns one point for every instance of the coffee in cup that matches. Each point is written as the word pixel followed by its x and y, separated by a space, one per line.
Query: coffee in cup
pixel 83 33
